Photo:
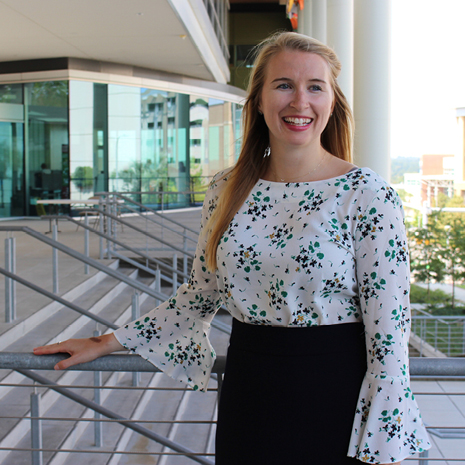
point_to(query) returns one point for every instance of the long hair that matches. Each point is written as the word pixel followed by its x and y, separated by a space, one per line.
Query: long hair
pixel 251 165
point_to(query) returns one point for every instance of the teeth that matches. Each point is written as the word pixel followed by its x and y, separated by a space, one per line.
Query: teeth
pixel 298 121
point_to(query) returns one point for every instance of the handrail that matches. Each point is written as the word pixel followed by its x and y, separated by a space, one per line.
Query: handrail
pixel 135 228
pixel 114 362
pixel 147 218
pixel 151 210
pixel 89 261
pixel 59 299
pixel 110 414
pixel 23 363
pixel 419 366
pixel 121 244
pixel 94 263
pixel 439 317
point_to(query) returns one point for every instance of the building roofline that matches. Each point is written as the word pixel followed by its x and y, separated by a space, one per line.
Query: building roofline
pixel 69 68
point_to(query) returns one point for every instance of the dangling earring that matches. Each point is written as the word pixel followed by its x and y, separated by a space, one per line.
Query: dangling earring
pixel 267 152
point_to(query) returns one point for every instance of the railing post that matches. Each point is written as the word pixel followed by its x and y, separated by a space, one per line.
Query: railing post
pixel 448 339
pixel 109 226
pixel 185 254
pixel 158 286
pixel 86 243
pixel 101 227
pixel 55 258
pixel 135 310
pixel 36 430
pixel 424 454
pixel 175 275
pixel 114 211
pixel 10 284
pixel 97 416
pixel 463 339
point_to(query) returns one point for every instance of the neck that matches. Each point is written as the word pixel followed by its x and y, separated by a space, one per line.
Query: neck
pixel 296 166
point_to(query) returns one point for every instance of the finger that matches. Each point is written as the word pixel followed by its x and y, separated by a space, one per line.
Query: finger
pixel 50 349
pixel 64 364
pixel 73 360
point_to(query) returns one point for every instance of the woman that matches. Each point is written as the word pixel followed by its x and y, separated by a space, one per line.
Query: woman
pixel 308 253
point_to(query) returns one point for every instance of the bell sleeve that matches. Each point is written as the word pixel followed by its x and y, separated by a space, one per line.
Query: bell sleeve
pixel 387 424
pixel 174 335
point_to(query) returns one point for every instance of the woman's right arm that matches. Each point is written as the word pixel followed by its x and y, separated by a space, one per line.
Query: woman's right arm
pixel 81 350
pixel 173 336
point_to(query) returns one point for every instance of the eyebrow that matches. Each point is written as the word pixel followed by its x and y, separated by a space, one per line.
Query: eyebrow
pixel 289 80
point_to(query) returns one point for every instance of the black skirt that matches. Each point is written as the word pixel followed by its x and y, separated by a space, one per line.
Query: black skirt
pixel 289 394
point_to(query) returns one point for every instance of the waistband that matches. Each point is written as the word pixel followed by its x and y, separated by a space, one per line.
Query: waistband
pixel 285 340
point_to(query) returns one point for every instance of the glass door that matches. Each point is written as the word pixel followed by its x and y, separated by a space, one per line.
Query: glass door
pixel 11 169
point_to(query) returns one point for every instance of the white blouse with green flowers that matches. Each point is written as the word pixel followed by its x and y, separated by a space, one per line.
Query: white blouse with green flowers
pixel 303 254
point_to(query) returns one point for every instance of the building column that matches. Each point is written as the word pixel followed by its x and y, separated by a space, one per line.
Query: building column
pixel 305 19
pixel 340 37
pixel 319 20
pixel 372 85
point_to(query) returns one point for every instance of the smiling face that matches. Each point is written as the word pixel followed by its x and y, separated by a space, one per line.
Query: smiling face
pixel 296 100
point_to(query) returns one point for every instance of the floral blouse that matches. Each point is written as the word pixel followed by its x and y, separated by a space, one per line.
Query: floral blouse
pixel 302 254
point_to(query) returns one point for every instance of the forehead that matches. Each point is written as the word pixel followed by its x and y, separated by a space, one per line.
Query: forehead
pixel 296 64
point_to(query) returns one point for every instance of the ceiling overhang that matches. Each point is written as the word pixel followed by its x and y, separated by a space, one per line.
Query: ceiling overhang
pixel 172 36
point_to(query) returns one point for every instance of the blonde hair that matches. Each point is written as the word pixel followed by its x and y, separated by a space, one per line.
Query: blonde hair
pixel 251 165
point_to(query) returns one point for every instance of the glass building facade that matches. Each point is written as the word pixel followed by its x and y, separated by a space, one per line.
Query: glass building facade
pixel 72 139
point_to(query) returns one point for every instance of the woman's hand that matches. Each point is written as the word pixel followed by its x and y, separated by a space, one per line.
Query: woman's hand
pixel 81 350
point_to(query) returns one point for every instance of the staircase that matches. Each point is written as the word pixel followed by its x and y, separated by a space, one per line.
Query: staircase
pixel 164 401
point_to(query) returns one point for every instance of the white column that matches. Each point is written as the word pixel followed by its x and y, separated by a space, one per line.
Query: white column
pixel 340 37
pixel 305 19
pixel 319 20
pixel 372 85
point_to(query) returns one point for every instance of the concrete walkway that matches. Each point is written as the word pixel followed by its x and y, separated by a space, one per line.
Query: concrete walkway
pixel 459 293
pixel 446 409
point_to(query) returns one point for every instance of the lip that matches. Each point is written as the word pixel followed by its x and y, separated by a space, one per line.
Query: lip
pixel 297 122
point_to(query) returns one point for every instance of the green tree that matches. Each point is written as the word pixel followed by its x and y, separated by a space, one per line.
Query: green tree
pixel 402 165
pixel 438 250
pixel 426 264
pixel 454 251
pixel 83 178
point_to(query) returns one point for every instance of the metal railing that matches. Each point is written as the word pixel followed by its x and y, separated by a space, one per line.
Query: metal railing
pixel 445 334
pixel 143 219
pixel 175 276
pixel 420 368
pixel 218 13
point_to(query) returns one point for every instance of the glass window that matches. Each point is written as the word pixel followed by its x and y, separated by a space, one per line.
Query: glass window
pixel 11 169
pixel 47 160
pixel 88 139
pixel 11 93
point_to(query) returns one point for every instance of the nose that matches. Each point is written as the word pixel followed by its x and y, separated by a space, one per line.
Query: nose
pixel 300 100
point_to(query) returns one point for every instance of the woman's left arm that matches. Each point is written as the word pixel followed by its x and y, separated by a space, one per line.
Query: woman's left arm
pixel 387 423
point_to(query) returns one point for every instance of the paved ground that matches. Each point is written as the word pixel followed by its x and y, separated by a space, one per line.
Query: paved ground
pixel 459 293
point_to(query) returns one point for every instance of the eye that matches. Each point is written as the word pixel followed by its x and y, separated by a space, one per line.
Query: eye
pixel 285 85
pixel 315 88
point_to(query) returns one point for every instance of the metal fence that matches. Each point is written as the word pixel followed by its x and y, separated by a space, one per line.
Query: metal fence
pixel 424 368
pixel 444 334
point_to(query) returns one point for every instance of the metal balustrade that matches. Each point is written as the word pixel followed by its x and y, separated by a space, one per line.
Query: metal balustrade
pixel 445 334
pixel 424 368
pixel 426 326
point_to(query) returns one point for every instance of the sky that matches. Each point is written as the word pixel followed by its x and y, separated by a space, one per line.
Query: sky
pixel 427 75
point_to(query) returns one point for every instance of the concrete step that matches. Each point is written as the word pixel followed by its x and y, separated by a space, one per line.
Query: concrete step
pixel 112 300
